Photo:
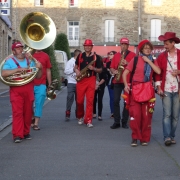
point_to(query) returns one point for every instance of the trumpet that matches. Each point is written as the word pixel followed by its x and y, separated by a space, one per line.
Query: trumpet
pixel 51 90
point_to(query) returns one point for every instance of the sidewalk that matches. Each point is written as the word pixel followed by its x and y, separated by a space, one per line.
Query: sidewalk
pixel 67 151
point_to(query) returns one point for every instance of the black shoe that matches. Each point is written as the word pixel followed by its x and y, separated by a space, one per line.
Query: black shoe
pixel 134 143
pixel 99 118
pixel 115 126
pixel 167 141
pixel 28 136
pixel 17 139
pixel 125 126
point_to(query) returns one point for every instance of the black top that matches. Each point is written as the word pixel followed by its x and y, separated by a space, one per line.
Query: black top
pixel 85 60
pixel 108 75
pixel 102 75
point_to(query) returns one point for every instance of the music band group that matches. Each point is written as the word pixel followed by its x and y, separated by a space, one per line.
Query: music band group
pixel 134 78
pixel 88 74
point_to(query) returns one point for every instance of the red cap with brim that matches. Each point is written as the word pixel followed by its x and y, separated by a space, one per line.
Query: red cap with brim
pixel 16 45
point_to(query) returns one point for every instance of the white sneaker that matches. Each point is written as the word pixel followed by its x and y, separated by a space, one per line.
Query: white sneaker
pixel 89 125
pixel 80 121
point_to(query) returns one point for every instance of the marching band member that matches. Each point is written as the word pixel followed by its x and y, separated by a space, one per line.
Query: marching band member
pixel 86 86
pixel 109 83
pixel 118 85
pixel 21 97
pixel 168 83
pixel 71 86
pixel 141 112
pixel 40 86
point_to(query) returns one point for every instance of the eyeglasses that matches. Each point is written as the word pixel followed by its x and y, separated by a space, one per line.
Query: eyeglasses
pixel 147 48
pixel 111 54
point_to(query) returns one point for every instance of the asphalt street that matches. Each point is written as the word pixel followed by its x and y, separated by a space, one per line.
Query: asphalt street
pixel 68 151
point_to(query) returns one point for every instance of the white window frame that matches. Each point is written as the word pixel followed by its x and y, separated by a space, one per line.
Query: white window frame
pixel 156 2
pixel 74 4
pixel 109 30
pixel 73 33
pixel 38 2
pixel 109 3
pixel 155 29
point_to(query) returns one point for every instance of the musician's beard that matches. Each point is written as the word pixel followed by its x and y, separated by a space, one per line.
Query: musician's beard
pixel 20 56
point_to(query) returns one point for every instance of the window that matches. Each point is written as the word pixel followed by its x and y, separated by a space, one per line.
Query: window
pixel 109 2
pixel 109 31
pixel 155 29
pixel 73 33
pixel 156 2
pixel 73 3
pixel 39 2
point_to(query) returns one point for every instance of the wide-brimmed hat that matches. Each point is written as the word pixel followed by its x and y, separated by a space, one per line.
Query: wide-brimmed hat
pixel 168 36
pixel 88 42
pixel 16 45
pixel 124 40
pixel 140 45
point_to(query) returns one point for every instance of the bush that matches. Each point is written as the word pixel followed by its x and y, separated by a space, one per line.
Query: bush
pixel 61 43
pixel 54 69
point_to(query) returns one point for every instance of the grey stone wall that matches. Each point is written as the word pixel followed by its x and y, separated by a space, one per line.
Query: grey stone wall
pixel 92 14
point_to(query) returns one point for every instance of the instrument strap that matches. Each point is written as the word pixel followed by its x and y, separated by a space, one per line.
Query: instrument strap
pixel 80 55
pixel 133 70
pixel 18 63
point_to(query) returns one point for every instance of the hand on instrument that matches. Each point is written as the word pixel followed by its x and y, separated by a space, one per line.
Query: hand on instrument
pixel 174 72
pixel 124 62
pixel 78 73
pixel 91 67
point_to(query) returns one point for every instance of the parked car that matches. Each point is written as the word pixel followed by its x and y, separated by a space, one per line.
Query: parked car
pixel 61 58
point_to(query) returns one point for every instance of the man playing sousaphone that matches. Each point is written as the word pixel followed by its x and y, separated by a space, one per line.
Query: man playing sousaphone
pixel 90 63
pixel 119 61
pixel 21 97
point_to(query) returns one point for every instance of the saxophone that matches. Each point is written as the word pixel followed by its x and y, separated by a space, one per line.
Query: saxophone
pixel 85 71
pixel 120 67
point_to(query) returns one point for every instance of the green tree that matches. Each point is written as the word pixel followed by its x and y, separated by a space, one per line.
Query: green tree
pixel 61 43
pixel 54 69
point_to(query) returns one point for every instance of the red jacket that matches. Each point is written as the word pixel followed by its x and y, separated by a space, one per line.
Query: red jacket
pixel 115 63
pixel 162 63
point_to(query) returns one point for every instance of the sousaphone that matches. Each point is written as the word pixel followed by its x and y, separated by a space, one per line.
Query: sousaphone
pixel 37 31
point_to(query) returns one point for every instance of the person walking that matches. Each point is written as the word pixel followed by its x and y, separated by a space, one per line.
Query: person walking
pixel 99 93
pixel 87 65
pixel 118 63
pixel 141 110
pixel 109 83
pixel 167 84
pixel 21 97
pixel 71 86
pixel 40 88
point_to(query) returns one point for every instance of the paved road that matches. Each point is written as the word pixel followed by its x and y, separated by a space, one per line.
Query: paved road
pixel 66 151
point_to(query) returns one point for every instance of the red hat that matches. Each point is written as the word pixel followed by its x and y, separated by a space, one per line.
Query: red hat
pixel 124 41
pixel 88 42
pixel 169 35
pixel 16 45
pixel 142 43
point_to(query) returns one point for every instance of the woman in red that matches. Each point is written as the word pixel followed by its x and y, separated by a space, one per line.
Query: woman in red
pixel 140 113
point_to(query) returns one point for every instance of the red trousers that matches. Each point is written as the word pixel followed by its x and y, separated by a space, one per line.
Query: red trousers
pixel 22 98
pixel 140 120
pixel 85 88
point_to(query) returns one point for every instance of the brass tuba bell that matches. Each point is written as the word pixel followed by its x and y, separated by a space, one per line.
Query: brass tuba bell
pixel 38 31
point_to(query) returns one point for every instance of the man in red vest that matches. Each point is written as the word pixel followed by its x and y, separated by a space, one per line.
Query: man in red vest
pixel 120 59
pixel 86 86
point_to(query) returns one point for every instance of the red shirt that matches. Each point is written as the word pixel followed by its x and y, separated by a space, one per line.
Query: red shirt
pixel 44 59
pixel 139 71
pixel 115 63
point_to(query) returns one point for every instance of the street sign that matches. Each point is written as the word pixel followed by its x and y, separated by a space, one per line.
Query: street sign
pixel 5 12
pixel 5 4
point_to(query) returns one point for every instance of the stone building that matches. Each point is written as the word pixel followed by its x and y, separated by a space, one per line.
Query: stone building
pixel 5 37
pixel 104 21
